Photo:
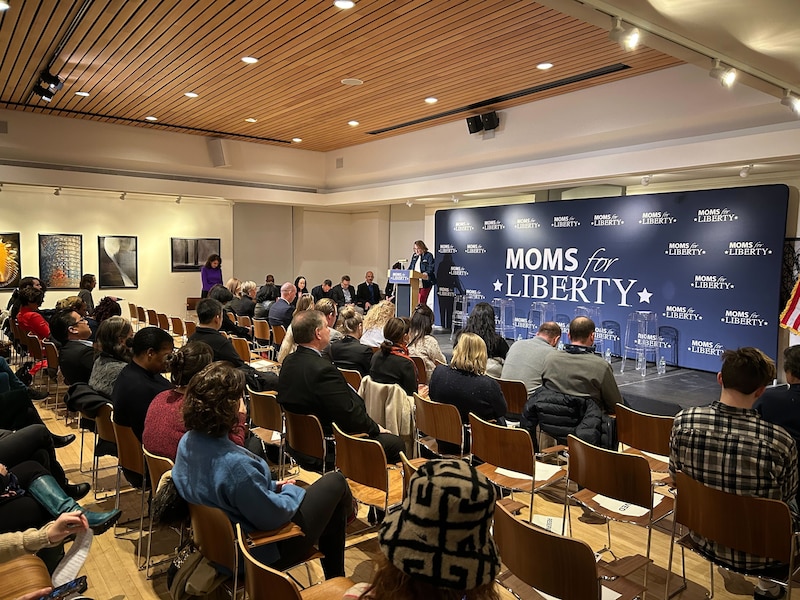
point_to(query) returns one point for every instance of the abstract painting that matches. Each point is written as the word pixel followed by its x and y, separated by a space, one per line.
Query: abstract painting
pixel 10 261
pixel 190 254
pixel 117 258
pixel 61 260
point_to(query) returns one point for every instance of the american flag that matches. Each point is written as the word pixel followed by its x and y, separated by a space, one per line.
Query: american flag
pixel 790 317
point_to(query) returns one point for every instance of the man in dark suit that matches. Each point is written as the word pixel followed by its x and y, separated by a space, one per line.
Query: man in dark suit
pixel 310 384
pixel 280 313
pixel 781 405
pixel 344 293
pixel 76 357
pixel 368 293
pixel 322 291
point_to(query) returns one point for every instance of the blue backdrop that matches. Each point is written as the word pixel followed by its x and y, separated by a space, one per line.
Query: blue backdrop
pixel 706 265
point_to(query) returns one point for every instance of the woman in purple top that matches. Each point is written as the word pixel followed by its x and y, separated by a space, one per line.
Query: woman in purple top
pixel 211 274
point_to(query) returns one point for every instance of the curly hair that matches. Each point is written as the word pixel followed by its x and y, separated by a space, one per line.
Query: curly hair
pixel 71 303
pixel 30 295
pixel 481 322
pixel 211 403
pixel 111 338
pixel 188 361
pixel 379 314
pixel 106 309
pixel 390 583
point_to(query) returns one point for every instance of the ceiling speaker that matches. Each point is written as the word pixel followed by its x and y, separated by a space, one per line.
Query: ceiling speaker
pixel 490 121
pixel 474 124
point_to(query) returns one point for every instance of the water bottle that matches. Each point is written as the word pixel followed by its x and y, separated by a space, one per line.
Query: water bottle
pixel 662 366
pixel 640 362
pixel 607 355
pixel 560 344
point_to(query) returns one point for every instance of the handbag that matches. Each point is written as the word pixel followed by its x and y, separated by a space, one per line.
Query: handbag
pixel 191 574
pixel 168 508
pixel 24 374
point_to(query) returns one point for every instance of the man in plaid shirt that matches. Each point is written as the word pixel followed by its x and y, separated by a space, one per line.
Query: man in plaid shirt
pixel 729 447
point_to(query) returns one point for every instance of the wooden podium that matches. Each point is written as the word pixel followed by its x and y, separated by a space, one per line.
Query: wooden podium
pixel 406 286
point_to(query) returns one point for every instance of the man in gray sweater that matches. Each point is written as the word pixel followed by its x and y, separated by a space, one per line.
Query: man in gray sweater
pixel 525 359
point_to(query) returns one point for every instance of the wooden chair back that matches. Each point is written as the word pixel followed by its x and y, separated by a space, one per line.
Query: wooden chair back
pixel 103 424
pixel 441 421
pixel 34 347
pixel 23 575
pixel 156 467
pixel 352 377
pixel 515 393
pixel 504 447
pixel 363 461
pixel 639 430
pixel 163 321
pixel 261 330
pixel 190 327
pixel 212 533
pixel 304 434
pixel 265 411
pixel 191 303
pixel 408 471
pixel 132 311
pixel 51 354
pixel 242 348
pixel 140 314
pixel 625 477
pixel 262 582
pixel 177 326
pixel 758 526
pixel 129 449
pixel 152 317
pixel 422 374
pixel 555 555
pixel 278 333
pixel 244 321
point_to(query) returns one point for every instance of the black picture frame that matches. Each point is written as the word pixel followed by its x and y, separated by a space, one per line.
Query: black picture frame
pixel 190 254
pixel 61 260
pixel 118 261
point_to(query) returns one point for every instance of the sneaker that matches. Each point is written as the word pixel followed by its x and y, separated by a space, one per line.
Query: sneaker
pixel 34 394
pixel 760 594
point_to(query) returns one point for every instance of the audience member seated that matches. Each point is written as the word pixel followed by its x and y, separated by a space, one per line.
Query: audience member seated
pixel 210 317
pixel 375 321
pixel 481 322
pixel 141 380
pixel 36 443
pixel 15 301
pixel 18 410
pixel 525 359
pixel 211 470
pixel 310 384
pixel 427 556
pixel 76 356
pixel 422 343
pixel 113 350
pixel 347 352
pixel 267 294
pixel 300 286
pixel 245 305
pixel 465 385
pixel 9 381
pixel 29 319
pixel 107 307
pixel 328 308
pixel 163 426
pixel 288 344
pixel 368 293
pixel 392 364
pixel 88 283
pixel 234 286
pixel 781 405
pixel 223 296
pixel 343 293
pixel 728 446
pixel 322 291
pixel 77 304
pixel 280 313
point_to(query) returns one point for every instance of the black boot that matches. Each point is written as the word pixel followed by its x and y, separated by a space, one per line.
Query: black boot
pixel 46 491
pixel 59 441
pixel 76 491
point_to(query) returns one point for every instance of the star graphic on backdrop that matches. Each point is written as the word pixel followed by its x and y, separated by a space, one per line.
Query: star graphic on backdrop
pixel 498 286
pixel 644 295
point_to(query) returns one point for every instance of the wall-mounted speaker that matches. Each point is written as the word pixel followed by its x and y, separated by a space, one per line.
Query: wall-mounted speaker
pixel 490 121
pixel 216 152
pixel 475 124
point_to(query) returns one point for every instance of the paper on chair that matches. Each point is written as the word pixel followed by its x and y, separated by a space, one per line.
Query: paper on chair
pixel 607 594
pixel 543 471
pixel 551 524
pixel 660 457
pixel 625 508
pixel 512 474
pixel 276 436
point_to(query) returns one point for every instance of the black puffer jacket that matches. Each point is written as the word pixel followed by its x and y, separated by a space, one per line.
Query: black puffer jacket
pixel 560 414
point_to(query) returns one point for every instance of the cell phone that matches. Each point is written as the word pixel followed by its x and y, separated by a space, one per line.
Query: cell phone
pixel 76 586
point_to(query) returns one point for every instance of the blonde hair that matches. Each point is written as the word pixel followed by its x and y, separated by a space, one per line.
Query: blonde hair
pixel 304 302
pixel 379 315
pixel 247 286
pixel 234 286
pixel 349 320
pixel 470 354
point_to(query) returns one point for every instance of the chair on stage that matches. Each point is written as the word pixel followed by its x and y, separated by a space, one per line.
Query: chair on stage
pixel 669 344
pixel 462 306
pixel 641 338
pixel 620 477
pixel 504 315
pixel 593 313
pixel 538 313
pixel 563 321
pixel 641 432
pixel 563 567
pixel 757 526
pixel 436 423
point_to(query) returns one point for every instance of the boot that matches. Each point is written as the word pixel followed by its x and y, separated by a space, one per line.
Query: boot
pixel 76 491
pixel 48 493
pixel 59 441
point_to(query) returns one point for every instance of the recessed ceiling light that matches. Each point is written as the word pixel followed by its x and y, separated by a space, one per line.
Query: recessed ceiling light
pixel 431 100
pixel 344 4
pixel 251 120
pixel 352 81
pixel 4 6
pixel 82 94
pixel 151 118
pixel 250 60
pixel 352 123
pixel 191 95
pixel 544 66
pixel 297 140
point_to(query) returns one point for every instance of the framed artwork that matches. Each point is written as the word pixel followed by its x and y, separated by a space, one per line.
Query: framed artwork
pixel 190 254
pixel 117 261
pixel 61 260
pixel 10 261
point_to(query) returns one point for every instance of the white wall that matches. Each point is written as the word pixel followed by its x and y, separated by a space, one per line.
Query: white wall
pixel 260 243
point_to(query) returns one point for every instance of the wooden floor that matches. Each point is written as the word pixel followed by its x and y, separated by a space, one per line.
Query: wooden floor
pixel 112 571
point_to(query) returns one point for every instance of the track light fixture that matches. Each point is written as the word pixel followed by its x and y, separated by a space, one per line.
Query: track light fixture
pixel 178 201
pixel 792 101
pixel 745 171
pixel 726 75
pixel 628 39
pixel 454 198
pixel 50 81
pixel 123 195
pixel 44 93
pixel 57 191
pixel 646 180
pixel 409 203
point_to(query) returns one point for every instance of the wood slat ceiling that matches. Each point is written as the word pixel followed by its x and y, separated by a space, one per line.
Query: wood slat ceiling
pixel 138 58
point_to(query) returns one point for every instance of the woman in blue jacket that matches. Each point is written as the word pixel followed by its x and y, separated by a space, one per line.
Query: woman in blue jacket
pixel 422 261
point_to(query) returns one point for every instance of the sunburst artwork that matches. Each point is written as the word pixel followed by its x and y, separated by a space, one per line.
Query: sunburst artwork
pixel 9 260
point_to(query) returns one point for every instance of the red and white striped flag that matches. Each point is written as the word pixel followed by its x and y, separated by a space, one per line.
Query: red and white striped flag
pixel 790 317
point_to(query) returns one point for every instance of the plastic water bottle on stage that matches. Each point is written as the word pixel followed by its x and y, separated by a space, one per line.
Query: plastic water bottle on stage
pixel 607 355
pixel 662 366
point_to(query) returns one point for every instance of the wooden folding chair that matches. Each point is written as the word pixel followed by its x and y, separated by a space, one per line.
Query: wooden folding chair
pixel 267 423
pixel 163 321
pixel 23 575
pixel 642 433
pixel 156 467
pixel 51 354
pixel 422 374
pixel 352 377
pixel 304 434
pixel 437 422
pixel 141 316
pixel 104 433
pixel 190 327
pixel 242 348
pixel 262 337
pixel 178 329
pixel 133 315
pixel 152 317
pixel 278 333
pixel 515 393
pixel 131 458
